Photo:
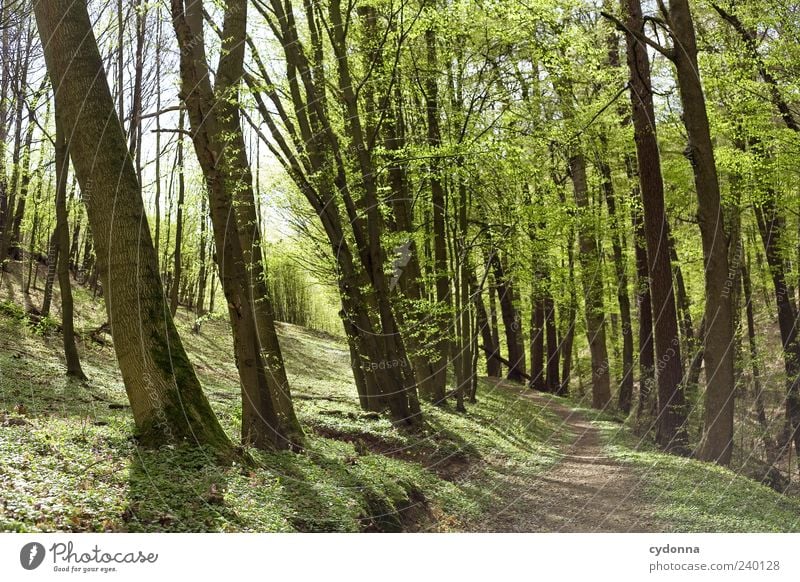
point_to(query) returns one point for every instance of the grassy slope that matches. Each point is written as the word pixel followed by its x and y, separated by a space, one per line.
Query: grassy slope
pixel 68 463
pixel 692 496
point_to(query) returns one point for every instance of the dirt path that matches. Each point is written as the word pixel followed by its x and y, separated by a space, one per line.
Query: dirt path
pixel 586 491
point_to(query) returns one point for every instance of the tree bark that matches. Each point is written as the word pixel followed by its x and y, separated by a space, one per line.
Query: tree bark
pixel 717 440
pixel 644 307
pixel 177 266
pixel 592 280
pixel 625 397
pixel 512 321
pixel 671 413
pixel 216 133
pixel 71 356
pixel 166 398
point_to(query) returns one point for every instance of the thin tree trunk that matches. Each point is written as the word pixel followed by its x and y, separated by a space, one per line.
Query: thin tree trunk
pixel 625 397
pixel 771 225
pixel 592 279
pixel 758 391
pixel 569 318
pixel 442 278
pixel 53 249
pixel 483 326
pixel 202 276
pixel 71 356
pixel 511 320
pixel 647 362
pixel 157 202
pixel 177 266
pixel 537 343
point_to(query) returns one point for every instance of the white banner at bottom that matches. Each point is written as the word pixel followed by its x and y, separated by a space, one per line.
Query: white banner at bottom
pixel 406 557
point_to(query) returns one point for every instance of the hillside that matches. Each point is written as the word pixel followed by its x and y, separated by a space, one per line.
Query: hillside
pixel 515 462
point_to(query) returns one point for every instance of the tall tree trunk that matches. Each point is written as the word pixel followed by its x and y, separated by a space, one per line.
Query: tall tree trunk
pixel 512 321
pixel 758 391
pixel 592 279
pixel 166 398
pixel 202 278
pixel 407 267
pixel 268 418
pixel 647 361
pixel 5 82
pixel 625 397
pixel 12 206
pixel 772 227
pixel 121 63
pixel 157 201
pixel 717 441
pixel 671 412
pixel 462 360
pixel 442 278
pixel 537 332
pixel 135 127
pixel 25 173
pixel 681 294
pixel 570 318
pixel 494 326
pixel 552 383
pixel 53 249
pixel 493 367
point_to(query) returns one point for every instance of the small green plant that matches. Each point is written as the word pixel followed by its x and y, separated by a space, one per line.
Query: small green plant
pixel 43 325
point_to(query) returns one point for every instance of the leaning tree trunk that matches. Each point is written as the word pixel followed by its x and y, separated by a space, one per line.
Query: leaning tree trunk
pixel 229 73
pixel 263 425
pixel 166 398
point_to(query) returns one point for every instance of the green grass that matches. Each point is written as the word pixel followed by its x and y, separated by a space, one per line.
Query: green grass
pixel 68 461
pixel 693 496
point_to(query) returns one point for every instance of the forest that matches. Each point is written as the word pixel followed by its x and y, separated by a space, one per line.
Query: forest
pixel 399 265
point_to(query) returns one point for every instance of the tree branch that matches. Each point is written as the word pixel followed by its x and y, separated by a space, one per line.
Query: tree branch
pixel 641 37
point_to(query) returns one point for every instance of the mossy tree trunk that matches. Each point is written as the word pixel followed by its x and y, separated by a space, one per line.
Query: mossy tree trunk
pixel 166 398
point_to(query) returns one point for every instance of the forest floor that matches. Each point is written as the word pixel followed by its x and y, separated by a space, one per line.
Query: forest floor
pixel 517 461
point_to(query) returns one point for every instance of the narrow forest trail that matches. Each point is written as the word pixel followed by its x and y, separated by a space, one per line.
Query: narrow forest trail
pixel 585 491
